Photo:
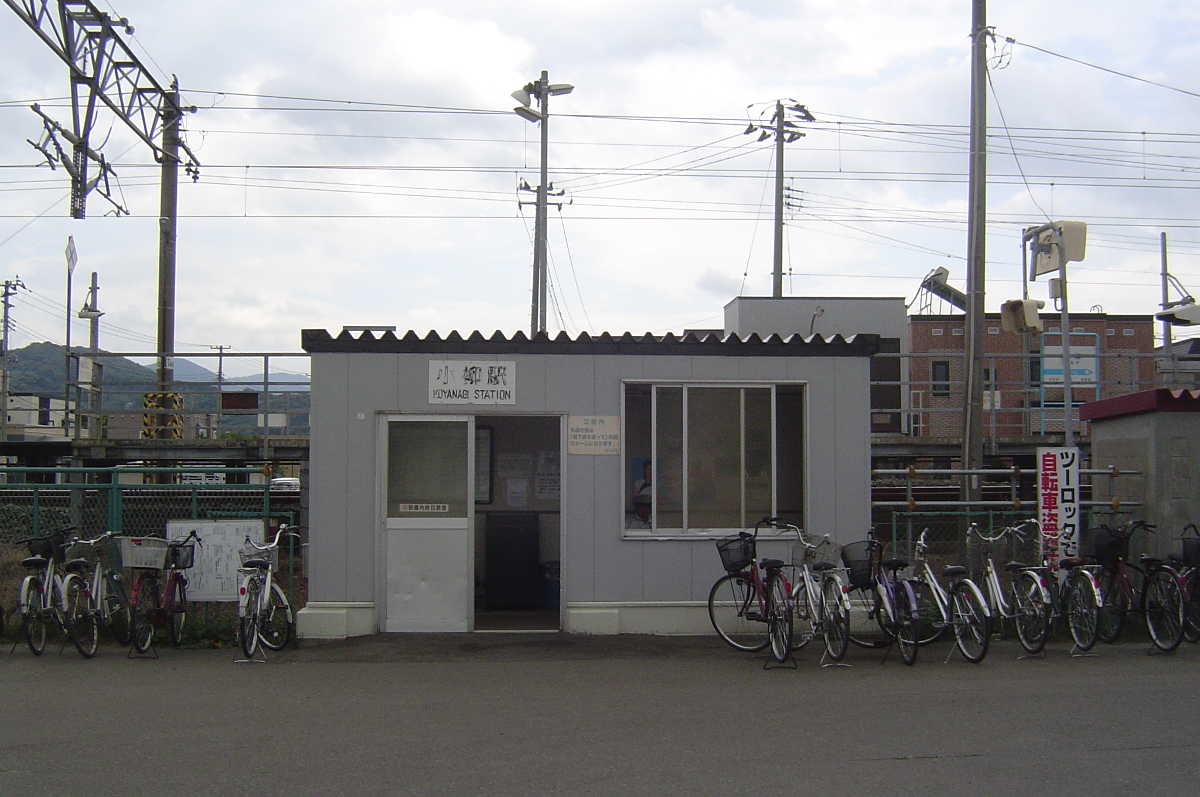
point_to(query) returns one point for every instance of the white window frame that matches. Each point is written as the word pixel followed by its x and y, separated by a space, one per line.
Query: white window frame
pixel 686 533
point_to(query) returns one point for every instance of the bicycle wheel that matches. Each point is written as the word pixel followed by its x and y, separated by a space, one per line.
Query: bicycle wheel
pixel 116 607
pixel 931 621
pixel 1114 604
pixel 179 613
pixel 866 611
pixel 1081 610
pixel 906 624
pixel 275 624
pixel 779 618
pixel 734 614
pixel 145 602
pixel 33 622
pixel 1162 600
pixel 835 622
pixel 972 625
pixel 1191 615
pixel 81 620
pixel 1032 614
pixel 248 622
pixel 803 616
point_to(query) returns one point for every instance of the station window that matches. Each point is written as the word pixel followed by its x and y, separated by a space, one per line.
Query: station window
pixel 702 459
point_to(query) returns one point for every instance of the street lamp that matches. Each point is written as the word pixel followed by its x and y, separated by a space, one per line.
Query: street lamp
pixel 1053 245
pixel 541 90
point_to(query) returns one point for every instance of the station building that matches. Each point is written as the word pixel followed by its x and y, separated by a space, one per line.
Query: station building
pixel 476 483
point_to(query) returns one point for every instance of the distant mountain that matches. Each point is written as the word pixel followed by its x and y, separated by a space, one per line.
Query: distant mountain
pixel 38 368
pixel 188 371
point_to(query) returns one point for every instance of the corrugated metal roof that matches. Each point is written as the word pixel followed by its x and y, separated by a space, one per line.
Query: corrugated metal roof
pixel 688 345
pixel 1158 400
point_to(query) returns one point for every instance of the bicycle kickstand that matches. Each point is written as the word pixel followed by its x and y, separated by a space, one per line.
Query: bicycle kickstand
pixel 255 658
pixel 825 664
pixel 1077 653
pixel 151 653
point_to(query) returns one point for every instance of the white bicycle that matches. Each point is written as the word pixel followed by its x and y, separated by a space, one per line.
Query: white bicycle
pixel 264 614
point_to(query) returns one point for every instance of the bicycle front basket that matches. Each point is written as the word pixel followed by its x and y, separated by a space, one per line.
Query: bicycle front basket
pixel 736 552
pixel 1104 546
pixel 52 546
pixel 110 554
pixel 857 558
pixel 248 553
pixel 1191 553
pixel 144 552
pixel 182 556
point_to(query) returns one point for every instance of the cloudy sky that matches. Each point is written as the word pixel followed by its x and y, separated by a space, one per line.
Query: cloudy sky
pixel 360 161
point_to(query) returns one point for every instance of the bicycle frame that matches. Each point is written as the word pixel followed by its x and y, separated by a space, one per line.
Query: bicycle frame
pixel 50 576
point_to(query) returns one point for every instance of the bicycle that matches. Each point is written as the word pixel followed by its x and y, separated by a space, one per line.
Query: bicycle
pixel 748 612
pixel 817 600
pixel 1028 608
pixel 1161 599
pixel 1074 597
pixel 963 608
pixel 95 592
pixel 155 606
pixel 264 614
pixel 42 600
pixel 882 596
pixel 1190 570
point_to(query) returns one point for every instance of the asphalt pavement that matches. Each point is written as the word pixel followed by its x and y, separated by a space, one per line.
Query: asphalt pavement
pixel 556 714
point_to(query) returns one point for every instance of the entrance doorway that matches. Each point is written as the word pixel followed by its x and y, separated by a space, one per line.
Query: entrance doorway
pixel 518 532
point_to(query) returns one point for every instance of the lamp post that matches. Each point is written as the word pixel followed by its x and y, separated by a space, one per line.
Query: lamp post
pixel 541 90
pixel 1054 244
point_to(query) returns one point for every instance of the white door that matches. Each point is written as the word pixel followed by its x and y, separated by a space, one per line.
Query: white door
pixel 429 540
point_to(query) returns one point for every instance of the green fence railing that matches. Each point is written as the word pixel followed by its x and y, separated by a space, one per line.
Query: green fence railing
pixel 135 501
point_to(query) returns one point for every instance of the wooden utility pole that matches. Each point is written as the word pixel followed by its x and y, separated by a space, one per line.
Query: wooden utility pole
pixel 972 439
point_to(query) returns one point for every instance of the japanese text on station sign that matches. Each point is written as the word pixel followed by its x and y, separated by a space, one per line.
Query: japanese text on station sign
pixel 472 382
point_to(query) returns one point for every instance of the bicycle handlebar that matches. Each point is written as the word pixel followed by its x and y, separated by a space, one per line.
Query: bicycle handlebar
pixel 286 529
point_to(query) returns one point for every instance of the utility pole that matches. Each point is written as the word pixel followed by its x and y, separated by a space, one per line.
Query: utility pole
pixel 10 289
pixel 72 259
pixel 91 313
pixel 1168 351
pixel 785 132
pixel 541 90
pixel 777 271
pixel 103 69
pixel 168 216
pixel 972 441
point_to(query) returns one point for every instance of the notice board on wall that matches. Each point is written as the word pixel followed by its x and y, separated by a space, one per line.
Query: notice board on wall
pixel 213 576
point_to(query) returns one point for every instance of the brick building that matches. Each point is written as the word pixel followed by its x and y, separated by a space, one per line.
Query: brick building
pixel 1023 397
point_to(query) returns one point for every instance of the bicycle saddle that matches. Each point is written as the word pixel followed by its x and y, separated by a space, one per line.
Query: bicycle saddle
pixel 1069 562
pixel 895 564
pixel 77 566
pixel 261 564
pixel 1151 561
pixel 1013 567
pixel 954 571
pixel 34 561
pixel 772 564
pixel 821 567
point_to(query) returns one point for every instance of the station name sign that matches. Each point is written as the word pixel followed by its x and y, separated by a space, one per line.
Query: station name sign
pixel 472 382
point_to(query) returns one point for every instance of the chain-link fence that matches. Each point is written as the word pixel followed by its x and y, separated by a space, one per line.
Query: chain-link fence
pixel 38 501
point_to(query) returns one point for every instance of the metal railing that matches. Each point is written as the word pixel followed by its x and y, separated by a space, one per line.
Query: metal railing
pixel 1017 402
pixel 105 404
pixel 34 501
